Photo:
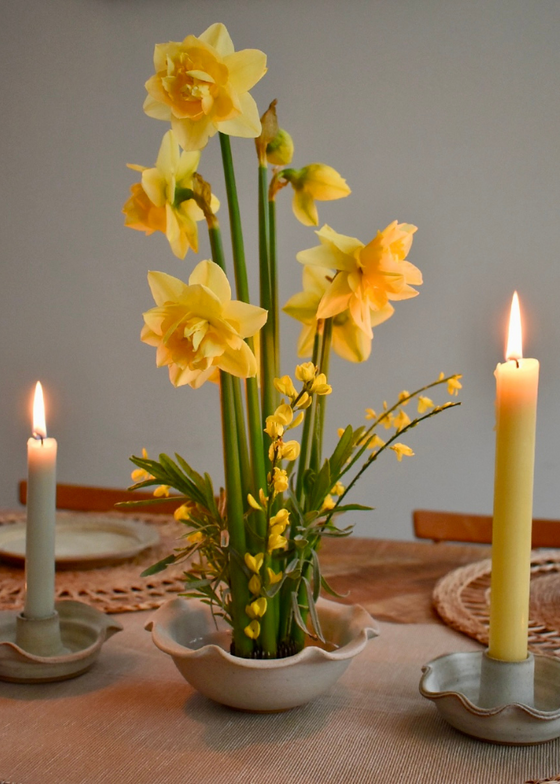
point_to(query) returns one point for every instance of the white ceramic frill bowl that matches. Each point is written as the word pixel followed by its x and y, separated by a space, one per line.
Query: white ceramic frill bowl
pixel 186 631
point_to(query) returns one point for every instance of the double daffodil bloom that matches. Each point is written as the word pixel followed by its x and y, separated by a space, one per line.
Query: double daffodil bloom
pixel 202 86
pixel 349 341
pixel 161 201
pixel 197 328
pixel 368 275
pixel 316 182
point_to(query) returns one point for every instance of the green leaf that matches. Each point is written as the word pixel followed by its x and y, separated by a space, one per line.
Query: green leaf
pixel 330 590
pixel 342 452
pixel 353 508
pixel 152 501
pixel 321 487
pixel 159 566
pixel 316 575
pixel 297 614
pixel 313 610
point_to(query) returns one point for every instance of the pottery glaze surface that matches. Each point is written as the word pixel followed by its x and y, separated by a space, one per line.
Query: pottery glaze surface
pixel 187 632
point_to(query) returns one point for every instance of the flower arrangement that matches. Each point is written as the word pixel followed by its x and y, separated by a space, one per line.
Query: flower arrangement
pixel 251 550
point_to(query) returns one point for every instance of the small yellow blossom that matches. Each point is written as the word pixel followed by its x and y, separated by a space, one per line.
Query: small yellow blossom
pixel 254 562
pixel 328 503
pixel 202 86
pixel 340 432
pixel 320 386
pixel 255 585
pixel 387 420
pixel 162 491
pixel 284 414
pixel 273 429
pixel 289 451
pixel 195 538
pixel 257 608
pixel 285 386
pixel 424 403
pixel 182 512
pixel 198 328
pixel 139 474
pixel 401 420
pixel 253 503
pixel 404 397
pixel 370 413
pixel 304 401
pixel 306 372
pixel 298 420
pixel 280 480
pixel 262 497
pixel 277 542
pixel 253 630
pixel 338 489
pixel 273 577
pixel 454 385
pixel 314 182
pixel 375 442
pixel 282 517
pixel 400 450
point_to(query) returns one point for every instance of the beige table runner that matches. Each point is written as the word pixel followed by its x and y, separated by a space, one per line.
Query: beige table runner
pixel 133 720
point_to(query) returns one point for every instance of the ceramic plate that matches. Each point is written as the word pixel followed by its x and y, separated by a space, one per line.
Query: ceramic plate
pixel 84 540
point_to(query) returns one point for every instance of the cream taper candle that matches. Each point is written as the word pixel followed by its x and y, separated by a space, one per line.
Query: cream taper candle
pixel 516 413
pixel 41 504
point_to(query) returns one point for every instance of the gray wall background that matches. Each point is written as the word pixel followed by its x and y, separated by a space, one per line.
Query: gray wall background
pixel 442 113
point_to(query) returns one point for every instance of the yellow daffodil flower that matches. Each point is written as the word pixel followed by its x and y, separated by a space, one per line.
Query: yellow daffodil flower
pixel 424 403
pixel 400 450
pixel 314 182
pixel 257 608
pixel 280 480
pixel 285 386
pixel 161 203
pixel 348 340
pixel 255 585
pixel 197 328
pixel 202 86
pixel 368 275
pixel 273 577
pixel 253 630
pixel 401 420
pixel 254 562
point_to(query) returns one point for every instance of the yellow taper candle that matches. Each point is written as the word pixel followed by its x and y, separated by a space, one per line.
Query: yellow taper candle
pixel 516 415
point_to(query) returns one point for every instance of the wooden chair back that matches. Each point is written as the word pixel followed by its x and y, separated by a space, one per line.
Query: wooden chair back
pixel 458 527
pixel 102 499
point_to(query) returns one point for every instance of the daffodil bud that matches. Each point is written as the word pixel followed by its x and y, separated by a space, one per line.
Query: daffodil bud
pixel 280 151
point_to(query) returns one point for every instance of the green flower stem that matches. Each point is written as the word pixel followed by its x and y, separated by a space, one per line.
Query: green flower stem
pixel 321 400
pixel 268 359
pixel 258 471
pixel 240 595
pixel 307 432
pixel 273 267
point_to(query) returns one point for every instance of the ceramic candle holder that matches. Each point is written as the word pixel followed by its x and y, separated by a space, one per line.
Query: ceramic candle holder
pixel 52 649
pixel 515 703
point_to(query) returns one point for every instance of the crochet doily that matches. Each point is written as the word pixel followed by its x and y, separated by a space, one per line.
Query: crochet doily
pixel 462 600
pixel 111 589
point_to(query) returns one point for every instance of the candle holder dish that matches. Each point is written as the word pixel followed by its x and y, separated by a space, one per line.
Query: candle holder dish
pixel 52 649
pixel 512 703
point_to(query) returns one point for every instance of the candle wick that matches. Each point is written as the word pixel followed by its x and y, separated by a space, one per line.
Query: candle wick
pixel 515 360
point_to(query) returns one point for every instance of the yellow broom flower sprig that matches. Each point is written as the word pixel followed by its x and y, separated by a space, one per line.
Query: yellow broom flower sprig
pixel 374 455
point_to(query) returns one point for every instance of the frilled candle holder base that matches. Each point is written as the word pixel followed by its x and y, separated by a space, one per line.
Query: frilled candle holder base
pixel 52 649
pixel 500 702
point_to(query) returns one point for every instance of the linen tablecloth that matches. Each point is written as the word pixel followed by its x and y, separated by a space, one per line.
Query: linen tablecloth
pixel 133 720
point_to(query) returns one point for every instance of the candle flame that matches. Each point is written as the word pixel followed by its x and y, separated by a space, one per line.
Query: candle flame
pixel 39 424
pixel 514 348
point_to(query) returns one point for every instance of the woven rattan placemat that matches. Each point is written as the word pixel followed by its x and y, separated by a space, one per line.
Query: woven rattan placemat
pixel 462 600
pixel 112 589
